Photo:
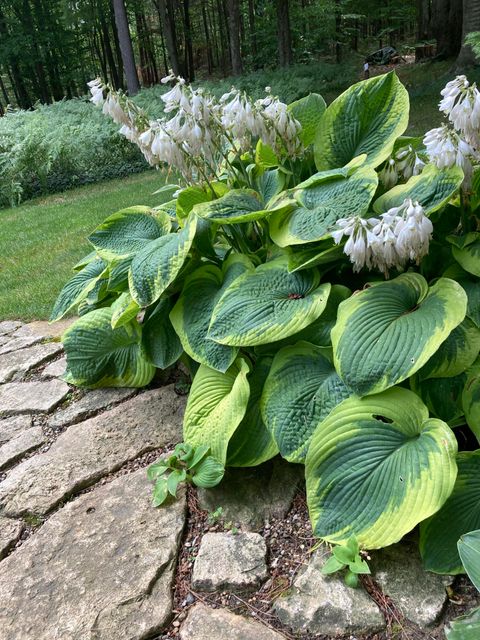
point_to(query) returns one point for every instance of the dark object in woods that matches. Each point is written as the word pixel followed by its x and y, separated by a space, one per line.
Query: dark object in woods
pixel 424 52
pixel 383 56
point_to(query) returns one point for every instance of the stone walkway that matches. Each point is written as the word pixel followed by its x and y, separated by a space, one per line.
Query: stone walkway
pixel 84 555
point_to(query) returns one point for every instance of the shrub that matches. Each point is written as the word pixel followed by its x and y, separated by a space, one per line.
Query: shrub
pixel 319 273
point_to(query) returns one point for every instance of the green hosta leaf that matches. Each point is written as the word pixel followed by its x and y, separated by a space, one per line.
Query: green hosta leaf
pixel 376 467
pixel 433 188
pixel 265 156
pixel 128 231
pixel 454 355
pixel 156 469
pixel 238 205
pixel 332 565
pixel 191 196
pixel 156 266
pixel 174 479
pixel 471 398
pixel 321 206
pixel 466 251
pixel 192 313
pixel 379 110
pixel 268 304
pixel 465 628
pixel 469 550
pixel 208 473
pixel 459 515
pixel 78 288
pixel 252 442
pixel 315 257
pixel 388 331
pixel 118 275
pixel 301 390
pixel 319 331
pixel 90 257
pixel 124 309
pixel 270 183
pixel 160 342
pixel 160 492
pixel 99 356
pixel 443 396
pixel 472 289
pixel 216 406
pixel 308 111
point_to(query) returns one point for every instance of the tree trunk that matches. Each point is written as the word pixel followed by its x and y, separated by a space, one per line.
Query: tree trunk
pixel 118 53
pixel 208 45
pixel 233 13
pixel 3 89
pixel 447 26
pixel 108 49
pixel 168 24
pixel 424 16
pixel 285 55
pixel 188 41
pixel 471 23
pixel 251 26
pixel 126 48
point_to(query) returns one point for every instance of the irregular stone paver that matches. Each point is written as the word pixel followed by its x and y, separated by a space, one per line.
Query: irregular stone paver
pixel 9 326
pixel 89 450
pixel 419 595
pixel 205 623
pixel 55 369
pixel 324 604
pixel 91 402
pixel 20 445
pixel 19 343
pixel 101 568
pixel 12 427
pixel 52 329
pixel 226 562
pixel 31 397
pixel 23 360
pixel 249 497
pixel 10 531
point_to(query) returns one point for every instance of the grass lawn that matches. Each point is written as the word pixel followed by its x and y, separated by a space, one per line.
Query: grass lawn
pixel 42 239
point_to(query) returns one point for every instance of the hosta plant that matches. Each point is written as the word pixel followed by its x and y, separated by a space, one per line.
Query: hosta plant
pixel 318 272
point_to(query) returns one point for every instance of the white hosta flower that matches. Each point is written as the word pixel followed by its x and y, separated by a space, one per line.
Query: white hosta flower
pixel 96 91
pixel 451 92
pixel 446 148
pixel 389 174
pixel 461 103
pixel 409 162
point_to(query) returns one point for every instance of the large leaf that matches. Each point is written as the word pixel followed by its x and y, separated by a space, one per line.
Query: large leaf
pixel 388 331
pixel 157 265
pixel 308 111
pixel 316 256
pixel 160 342
pixel 192 313
pixel 433 188
pixel 471 398
pixel 376 467
pixel 124 233
pixel 459 515
pixel 366 118
pixel 301 390
pixel 238 205
pixel 268 304
pixel 443 396
pixel 124 309
pixel 252 443
pixel 322 205
pixel 191 196
pixel 466 251
pixel 466 627
pixel 99 356
pixel 78 288
pixel 216 405
pixel 469 550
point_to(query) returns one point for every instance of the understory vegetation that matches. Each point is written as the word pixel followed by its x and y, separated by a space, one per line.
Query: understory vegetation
pixel 321 282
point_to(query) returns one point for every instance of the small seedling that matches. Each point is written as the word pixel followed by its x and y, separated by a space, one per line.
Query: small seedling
pixel 347 556
pixel 186 464
pixel 215 516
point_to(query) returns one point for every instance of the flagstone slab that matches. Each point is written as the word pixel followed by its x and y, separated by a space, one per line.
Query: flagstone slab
pixel 55 369
pixel 20 445
pixel 19 362
pixel 205 623
pixel 92 402
pixel 10 531
pixel 31 397
pixel 12 427
pixel 9 326
pixel 101 568
pixel 19 343
pixel 89 450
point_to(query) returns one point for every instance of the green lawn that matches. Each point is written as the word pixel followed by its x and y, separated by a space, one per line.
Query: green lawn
pixel 41 240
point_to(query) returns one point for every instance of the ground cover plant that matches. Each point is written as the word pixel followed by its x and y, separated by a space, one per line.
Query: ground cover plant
pixel 318 272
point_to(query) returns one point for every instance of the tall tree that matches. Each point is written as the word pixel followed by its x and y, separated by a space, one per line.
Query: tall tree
pixel 166 12
pixel 471 23
pixel 233 13
pixel 285 54
pixel 126 48
pixel 447 26
pixel 187 29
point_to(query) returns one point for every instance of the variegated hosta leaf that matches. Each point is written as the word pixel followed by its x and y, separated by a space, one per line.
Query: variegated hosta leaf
pixel 90 257
pixel 99 356
pixel 318 332
pixel 466 251
pixel 321 206
pixel 443 396
pixel 128 231
pixel 160 342
pixel 469 550
pixel 455 354
pixel 237 206
pixel 216 405
pixel 308 111
pixel 387 332
pixel 472 289
pixel 252 443
pixel 465 627
pixel 78 288
pixel 301 390
pixel 459 515
pixel 192 313
pixel 379 110
pixel 376 467
pixel 265 156
pixel 270 183
pixel 124 309
pixel 433 188
pixel 471 398
pixel 315 257
pixel 268 304
pixel 189 197
pixel 157 265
